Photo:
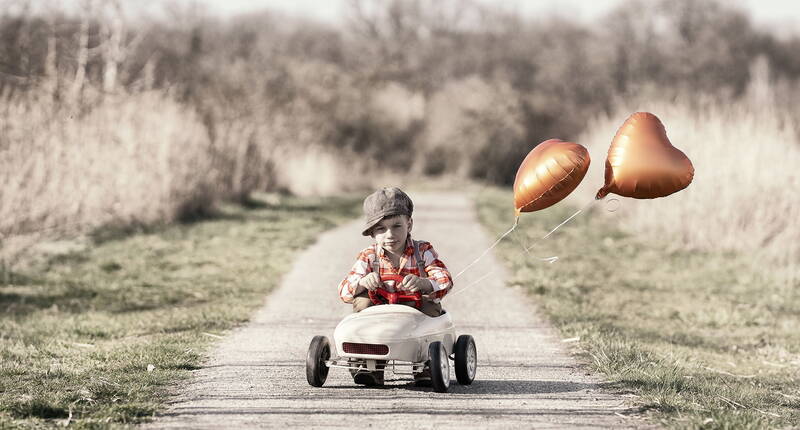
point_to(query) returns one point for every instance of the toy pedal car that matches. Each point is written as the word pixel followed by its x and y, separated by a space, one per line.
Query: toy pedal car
pixel 409 341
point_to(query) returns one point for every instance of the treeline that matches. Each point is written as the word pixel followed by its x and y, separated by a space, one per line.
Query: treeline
pixel 109 116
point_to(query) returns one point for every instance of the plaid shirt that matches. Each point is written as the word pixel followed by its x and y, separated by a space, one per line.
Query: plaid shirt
pixel 438 274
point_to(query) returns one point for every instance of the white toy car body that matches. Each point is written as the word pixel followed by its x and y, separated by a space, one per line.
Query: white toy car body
pixel 407 339
pixel 405 331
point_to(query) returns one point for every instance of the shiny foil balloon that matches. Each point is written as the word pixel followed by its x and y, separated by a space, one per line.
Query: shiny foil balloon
pixel 642 163
pixel 548 174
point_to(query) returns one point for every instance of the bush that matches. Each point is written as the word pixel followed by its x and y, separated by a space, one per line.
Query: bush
pixel 474 129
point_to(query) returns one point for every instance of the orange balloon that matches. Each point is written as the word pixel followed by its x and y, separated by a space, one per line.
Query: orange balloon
pixel 642 163
pixel 548 174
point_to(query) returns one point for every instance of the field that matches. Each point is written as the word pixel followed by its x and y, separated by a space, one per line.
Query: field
pixel 157 173
pixel 745 156
pixel 95 337
pixel 702 339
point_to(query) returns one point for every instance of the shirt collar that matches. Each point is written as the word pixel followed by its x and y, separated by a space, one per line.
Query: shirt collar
pixel 409 247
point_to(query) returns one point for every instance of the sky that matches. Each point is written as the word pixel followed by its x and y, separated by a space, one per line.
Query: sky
pixel 784 15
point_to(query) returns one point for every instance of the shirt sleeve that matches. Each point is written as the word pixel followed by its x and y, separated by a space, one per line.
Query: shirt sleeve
pixel 360 269
pixel 438 274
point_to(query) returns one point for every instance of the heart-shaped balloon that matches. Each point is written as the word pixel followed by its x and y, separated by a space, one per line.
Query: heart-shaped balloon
pixel 548 174
pixel 642 163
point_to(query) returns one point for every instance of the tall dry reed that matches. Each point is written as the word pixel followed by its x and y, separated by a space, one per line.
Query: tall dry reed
pixel 744 196
pixel 141 158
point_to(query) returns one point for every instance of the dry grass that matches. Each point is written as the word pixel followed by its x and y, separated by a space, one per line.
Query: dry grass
pixel 744 194
pixel 138 159
pixel 320 171
pixel 144 158
pixel 698 338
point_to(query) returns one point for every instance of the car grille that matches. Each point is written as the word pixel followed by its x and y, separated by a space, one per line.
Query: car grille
pixel 365 348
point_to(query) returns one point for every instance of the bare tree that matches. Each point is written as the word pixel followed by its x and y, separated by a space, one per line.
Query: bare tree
pixel 83 52
pixel 50 78
pixel 113 31
pixel 409 40
pixel 116 45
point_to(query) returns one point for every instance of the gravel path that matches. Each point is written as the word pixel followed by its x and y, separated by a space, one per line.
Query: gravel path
pixel 256 376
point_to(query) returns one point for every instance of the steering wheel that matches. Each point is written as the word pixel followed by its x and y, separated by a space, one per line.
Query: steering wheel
pixel 381 296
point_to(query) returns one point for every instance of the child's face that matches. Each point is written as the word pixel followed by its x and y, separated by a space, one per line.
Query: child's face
pixel 391 233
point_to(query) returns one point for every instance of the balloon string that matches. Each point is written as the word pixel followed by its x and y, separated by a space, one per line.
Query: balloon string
pixel 470 285
pixel 516 222
pixel 527 249
pixel 554 259
pixel 550 260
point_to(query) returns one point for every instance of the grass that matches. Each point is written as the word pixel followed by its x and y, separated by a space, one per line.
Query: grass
pixel 96 337
pixel 742 198
pixel 702 339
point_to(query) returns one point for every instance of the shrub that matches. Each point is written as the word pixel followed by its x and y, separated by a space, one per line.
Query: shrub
pixel 474 129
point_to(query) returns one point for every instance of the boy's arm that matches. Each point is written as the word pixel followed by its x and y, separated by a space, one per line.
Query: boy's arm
pixel 349 287
pixel 438 275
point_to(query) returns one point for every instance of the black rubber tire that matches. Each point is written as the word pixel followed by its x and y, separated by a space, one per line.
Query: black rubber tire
pixel 463 356
pixel 439 363
pixel 424 383
pixel 318 353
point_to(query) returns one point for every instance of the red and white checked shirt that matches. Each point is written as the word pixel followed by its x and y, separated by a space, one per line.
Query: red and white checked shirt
pixel 438 274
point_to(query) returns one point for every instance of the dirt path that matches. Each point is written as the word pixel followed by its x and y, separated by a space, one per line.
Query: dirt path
pixel 256 376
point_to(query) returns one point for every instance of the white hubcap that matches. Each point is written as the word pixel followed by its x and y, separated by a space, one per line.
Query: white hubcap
pixel 472 360
pixel 445 365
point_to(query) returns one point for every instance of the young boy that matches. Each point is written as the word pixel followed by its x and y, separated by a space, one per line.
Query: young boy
pixel 388 220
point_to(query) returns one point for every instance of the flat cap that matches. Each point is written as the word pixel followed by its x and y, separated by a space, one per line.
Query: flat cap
pixel 384 203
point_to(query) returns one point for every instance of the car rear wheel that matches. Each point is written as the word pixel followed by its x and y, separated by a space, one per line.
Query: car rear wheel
pixel 466 359
pixel 440 367
pixel 318 353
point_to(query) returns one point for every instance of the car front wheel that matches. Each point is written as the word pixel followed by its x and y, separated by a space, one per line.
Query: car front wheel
pixel 318 353
pixel 440 367
pixel 466 359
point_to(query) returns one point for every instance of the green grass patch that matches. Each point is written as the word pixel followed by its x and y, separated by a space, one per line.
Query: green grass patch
pixel 703 340
pixel 79 331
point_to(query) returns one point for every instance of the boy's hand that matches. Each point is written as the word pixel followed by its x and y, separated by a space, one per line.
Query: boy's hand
pixel 371 281
pixel 413 284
